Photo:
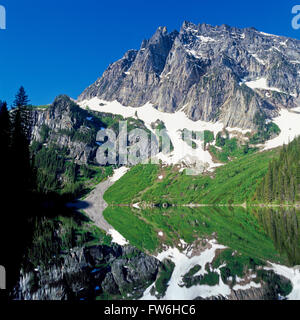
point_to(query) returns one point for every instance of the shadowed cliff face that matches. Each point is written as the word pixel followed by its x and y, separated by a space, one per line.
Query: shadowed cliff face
pixel 203 68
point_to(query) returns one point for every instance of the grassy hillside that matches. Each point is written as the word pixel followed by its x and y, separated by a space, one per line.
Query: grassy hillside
pixel 234 182
pixel 139 178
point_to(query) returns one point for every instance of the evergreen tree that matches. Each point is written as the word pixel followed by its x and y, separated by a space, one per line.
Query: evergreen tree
pixel 21 99
pixel 17 186
pixel 220 141
pixel 14 188
pixel 297 178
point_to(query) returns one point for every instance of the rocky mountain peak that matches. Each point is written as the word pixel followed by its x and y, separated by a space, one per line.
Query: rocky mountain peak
pixel 161 31
pixel 217 73
pixel 61 103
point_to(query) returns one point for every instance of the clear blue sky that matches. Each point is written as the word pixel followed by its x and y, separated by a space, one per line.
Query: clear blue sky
pixel 53 47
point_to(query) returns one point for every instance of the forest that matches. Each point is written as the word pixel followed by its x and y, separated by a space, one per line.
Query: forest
pixel 17 184
pixel 281 184
pixel 36 182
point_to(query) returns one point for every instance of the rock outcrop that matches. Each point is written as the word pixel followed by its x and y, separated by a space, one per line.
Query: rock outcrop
pixel 68 126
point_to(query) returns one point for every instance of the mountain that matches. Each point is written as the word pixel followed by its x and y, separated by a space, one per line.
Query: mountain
pixel 64 145
pixel 217 73
pixel 217 80
pixel 66 125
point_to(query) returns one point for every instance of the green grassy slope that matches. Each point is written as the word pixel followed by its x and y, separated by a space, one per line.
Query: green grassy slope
pixel 127 188
pixel 234 182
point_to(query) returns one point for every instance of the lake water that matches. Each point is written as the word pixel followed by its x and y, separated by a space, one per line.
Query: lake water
pixel 264 233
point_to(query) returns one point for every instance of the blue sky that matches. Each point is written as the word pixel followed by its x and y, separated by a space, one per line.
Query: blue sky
pixel 54 47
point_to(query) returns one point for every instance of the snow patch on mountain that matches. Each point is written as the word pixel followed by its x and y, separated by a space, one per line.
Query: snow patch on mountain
pixel 288 122
pixel 261 61
pixel 252 284
pixel 261 83
pixel 206 39
pixel 174 123
pixel 268 34
pixel 118 174
pixel 194 53
pixel 242 131
pixel 117 237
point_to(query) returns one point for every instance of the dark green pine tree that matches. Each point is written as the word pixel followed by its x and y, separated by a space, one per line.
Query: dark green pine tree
pixel 21 99
pixel 259 192
pixel 21 159
pixel 21 103
pixel 292 189
pixel 281 185
pixel 275 178
pixel 297 179
pixel 268 186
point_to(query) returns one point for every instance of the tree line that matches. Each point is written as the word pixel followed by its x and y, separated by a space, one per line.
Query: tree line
pixel 281 183
pixel 16 184
pixel 35 183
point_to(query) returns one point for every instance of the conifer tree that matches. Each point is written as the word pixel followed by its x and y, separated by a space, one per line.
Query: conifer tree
pixel 21 99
